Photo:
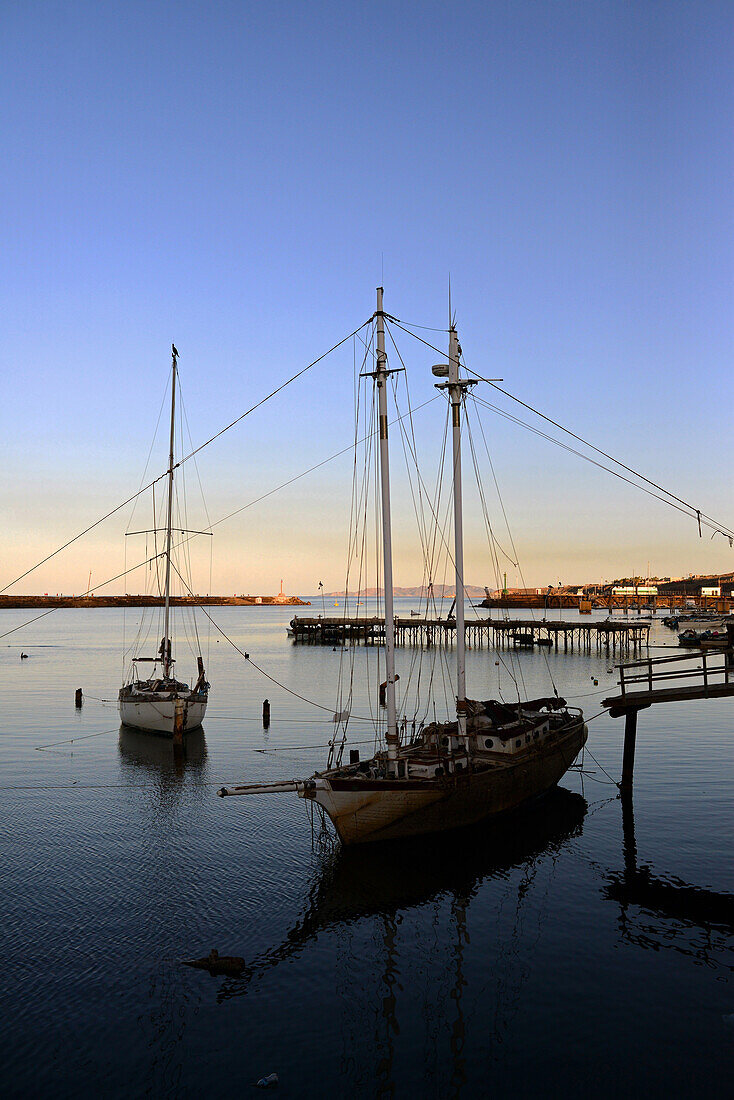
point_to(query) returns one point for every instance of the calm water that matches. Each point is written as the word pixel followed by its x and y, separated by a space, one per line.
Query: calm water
pixel 555 952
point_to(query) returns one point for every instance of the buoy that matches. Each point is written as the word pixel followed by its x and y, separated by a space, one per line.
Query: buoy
pixel 596 683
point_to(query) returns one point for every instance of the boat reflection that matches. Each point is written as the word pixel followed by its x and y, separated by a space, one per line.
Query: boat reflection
pixel 160 756
pixel 386 879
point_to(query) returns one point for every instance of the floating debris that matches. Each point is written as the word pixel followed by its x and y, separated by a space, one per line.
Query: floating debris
pixel 218 964
pixel 267 1082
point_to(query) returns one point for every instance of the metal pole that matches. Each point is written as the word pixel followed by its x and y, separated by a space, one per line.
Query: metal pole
pixel 381 375
pixel 166 616
pixel 455 394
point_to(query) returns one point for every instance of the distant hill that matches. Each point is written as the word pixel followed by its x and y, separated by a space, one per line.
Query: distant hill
pixel 440 591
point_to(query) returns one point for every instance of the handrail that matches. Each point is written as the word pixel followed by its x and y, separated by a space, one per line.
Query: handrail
pixel 691 655
pixel 651 677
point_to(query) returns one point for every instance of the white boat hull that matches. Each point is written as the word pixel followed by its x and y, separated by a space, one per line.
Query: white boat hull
pixel 158 715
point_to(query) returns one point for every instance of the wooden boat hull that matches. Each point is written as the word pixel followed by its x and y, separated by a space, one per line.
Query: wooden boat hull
pixel 158 715
pixel 365 811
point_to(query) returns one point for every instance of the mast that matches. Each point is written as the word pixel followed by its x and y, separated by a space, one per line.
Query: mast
pixel 456 389
pixel 166 640
pixel 381 379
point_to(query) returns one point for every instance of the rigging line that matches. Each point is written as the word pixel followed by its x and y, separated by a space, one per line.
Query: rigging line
pixel 185 417
pixel 507 524
pixel 721 528
pixel 150 452
pixel 449 553
pixel 177 465
pixel 304 473
pixel 329 710
pixel 274 392
pixel 593 462
pixel 420 512
pixel 485 511
pixel 592 447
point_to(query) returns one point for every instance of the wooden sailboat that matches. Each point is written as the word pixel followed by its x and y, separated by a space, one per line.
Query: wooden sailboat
pixel 161 703
pixel 492 759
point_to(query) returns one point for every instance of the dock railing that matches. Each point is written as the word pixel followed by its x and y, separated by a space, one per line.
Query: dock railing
pixel 652 675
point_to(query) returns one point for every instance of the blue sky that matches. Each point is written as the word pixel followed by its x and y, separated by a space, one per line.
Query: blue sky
pixel 239 177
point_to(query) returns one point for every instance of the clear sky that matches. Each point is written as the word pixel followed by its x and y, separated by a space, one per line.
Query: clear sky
pixel 238 177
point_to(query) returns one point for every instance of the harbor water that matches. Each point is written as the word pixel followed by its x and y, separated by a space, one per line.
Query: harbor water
pixel 569 949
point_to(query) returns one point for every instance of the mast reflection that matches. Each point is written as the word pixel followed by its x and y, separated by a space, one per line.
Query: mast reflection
pixel 387 879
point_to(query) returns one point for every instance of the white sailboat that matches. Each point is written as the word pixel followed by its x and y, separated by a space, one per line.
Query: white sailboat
pixel 493 758
pixel 161 703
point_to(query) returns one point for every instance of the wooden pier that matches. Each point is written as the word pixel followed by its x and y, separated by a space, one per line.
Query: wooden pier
pixel 608 636
pixel 690 676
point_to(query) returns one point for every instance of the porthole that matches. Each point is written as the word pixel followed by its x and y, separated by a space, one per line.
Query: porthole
pixel 489 743
pixel 518 744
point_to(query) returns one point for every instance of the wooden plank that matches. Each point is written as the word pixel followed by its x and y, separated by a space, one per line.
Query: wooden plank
pixel 618 705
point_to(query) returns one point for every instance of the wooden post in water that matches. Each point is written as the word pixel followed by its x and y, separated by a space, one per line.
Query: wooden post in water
pixel 78 698
pixel 179 720
pixel 628 757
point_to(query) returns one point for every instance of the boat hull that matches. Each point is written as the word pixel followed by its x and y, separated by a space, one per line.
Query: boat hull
pixel 367 812
pixel 158 715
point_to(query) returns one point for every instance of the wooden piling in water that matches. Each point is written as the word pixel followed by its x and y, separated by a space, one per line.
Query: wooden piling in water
pixel 179 721
pixel 628 757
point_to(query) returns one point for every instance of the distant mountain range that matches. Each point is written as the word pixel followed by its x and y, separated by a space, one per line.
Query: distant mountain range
pixel 440 591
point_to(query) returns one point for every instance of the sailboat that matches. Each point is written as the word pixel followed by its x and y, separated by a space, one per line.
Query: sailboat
pixel 162 704
pixel 493 758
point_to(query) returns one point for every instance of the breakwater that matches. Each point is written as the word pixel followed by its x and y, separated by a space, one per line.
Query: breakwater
pixel 149 601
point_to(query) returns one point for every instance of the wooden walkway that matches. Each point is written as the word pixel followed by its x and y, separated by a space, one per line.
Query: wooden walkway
pixel 708 674
pixel 607 636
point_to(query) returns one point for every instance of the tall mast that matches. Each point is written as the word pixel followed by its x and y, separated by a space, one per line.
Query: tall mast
pixel 381 379
pixel 456 389
pixel 166 640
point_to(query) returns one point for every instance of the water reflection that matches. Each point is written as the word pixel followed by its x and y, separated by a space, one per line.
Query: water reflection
pixel 172 767
pixel 665 910
pixel 159 754
pixel 385 879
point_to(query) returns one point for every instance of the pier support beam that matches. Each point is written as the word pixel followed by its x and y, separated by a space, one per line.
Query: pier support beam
pixel 628 757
